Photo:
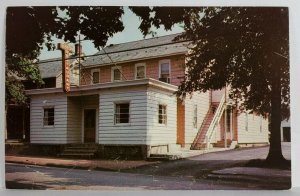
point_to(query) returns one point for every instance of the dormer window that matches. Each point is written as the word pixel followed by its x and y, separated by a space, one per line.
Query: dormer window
pixel 140 71
pixel 164 71
pixel 116 73
pixel 95 73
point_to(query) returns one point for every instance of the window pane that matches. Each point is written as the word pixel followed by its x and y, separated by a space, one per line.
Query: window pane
pixel 162 114
pixel 164 69
pixel 95 77
pixel 48 116
pixel 117 74
pixel 140 72
pixel 122 113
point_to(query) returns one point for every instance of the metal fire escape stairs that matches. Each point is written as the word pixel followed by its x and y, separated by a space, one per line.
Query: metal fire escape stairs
pixel 208 127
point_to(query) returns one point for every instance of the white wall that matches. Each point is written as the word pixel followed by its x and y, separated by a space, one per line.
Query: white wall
pixel 132 133
pixel 253 134
pixel 202 102
pixel 161 133
pixel 39 133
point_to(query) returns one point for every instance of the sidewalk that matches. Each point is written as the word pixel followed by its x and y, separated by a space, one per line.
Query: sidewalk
pixel 252 174
pixel 112 165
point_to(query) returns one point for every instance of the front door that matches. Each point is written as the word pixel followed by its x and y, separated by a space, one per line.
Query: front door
pixel 89 125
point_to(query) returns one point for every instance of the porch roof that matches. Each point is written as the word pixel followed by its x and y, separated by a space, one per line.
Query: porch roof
pixel 120 84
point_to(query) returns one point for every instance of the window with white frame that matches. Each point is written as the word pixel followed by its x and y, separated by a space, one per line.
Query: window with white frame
pixel 195 117
pixel 48 119
pixel 162 114
pixel 95 73
pixel 164 71
pixel 140 71
pixel 122 113
pixel 116 73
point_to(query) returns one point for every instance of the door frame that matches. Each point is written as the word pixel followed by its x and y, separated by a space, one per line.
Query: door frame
pixel 96 121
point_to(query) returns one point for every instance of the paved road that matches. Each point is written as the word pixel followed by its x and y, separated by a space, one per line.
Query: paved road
pixel 36 177
pixel 200 166
pixel 187 174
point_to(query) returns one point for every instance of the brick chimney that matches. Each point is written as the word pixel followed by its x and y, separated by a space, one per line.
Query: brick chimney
pixel 78 49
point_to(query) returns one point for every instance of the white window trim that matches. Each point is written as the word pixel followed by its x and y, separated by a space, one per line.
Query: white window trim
pixel 48 107
pixel 135 70
pixel 162 124
pixel 114 117
pixel 92 72
pixel 112 73
pixel 159 67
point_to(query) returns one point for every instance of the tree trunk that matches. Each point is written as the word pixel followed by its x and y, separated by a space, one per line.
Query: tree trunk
pixel 275 156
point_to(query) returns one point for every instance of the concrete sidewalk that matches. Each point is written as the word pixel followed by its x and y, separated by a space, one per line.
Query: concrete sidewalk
pixel 252 174
pixel 112 165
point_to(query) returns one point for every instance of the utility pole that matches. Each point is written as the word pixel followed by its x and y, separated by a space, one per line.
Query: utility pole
pixel 225 118
pixel 79 64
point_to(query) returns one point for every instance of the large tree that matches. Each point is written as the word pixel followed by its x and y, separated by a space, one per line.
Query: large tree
pixel 245 48
pixel 248 49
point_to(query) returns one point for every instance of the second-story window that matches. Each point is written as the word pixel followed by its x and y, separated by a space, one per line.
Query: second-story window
pixel 116 73
pixel 95 73
pixel 164 71
pixel 140 71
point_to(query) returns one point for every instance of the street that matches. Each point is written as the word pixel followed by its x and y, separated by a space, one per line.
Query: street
pixel 35 177
pixel 186 174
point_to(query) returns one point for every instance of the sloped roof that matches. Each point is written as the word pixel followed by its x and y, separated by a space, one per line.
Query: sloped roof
pixel 136 50
pixel 50 67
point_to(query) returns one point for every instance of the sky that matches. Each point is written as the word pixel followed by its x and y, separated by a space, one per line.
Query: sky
pixel 130 33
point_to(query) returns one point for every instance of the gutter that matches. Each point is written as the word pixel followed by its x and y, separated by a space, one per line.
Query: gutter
pixel 127 83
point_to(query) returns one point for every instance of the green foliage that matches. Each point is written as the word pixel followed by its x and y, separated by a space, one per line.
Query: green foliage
pixel 245 48
pixel 29 27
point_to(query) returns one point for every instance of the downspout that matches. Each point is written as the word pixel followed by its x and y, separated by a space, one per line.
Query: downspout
pixel 225 117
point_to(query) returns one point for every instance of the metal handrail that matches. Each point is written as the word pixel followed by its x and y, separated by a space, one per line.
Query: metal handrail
pixel 215 121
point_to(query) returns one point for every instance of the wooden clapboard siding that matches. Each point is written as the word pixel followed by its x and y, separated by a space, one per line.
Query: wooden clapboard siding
pixel 161 133
pixel 253 134
pixel 133 133
pixel 202 102
pixel 39 133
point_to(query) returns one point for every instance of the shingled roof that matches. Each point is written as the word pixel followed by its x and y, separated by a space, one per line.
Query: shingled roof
pixel 137 50
pixel 50 67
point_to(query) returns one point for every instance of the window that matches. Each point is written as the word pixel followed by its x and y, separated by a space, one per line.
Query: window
pixel 48 116
pixel 140 71
pixel 95 76
pixel 162 114
pixel 195 117
pixel 164 71
pixel 122 113
pixel 116 73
